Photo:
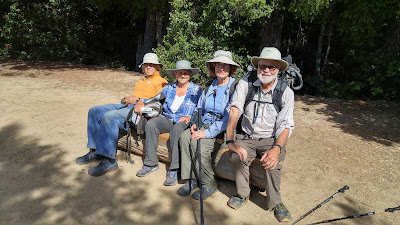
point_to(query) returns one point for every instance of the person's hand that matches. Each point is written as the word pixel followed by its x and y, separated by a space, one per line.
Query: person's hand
pixel 184 119
pixel 270 159
pixel 198 134
pixel 193 128
pixel 242 153
pixel 138 107
pixel 128 100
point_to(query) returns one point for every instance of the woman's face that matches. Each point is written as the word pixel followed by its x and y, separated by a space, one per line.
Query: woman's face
pixel 183 76
pixel 222 70
pixel 149 69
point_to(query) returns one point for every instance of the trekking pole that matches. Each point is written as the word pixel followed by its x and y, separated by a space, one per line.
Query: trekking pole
pixel 198 126
pixel 341 190
pixel 128 122
pixel 359 215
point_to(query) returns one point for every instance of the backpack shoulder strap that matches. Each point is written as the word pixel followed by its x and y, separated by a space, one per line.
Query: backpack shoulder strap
pixel 277 95
pixel 207 86
pixel 232 88
pixel 252 90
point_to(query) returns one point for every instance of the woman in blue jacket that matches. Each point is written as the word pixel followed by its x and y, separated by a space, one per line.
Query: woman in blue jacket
pixel 214 118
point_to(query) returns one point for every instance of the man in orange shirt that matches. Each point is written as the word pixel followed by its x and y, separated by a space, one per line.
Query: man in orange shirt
pixel 105 121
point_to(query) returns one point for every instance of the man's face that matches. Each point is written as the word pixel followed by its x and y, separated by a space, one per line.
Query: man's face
pixel 267 70
pixel 149 69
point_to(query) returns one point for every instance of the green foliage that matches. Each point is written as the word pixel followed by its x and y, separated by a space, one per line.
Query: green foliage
pixel 308 9
pixel 54 30
pixel 195 38
pixel 363 20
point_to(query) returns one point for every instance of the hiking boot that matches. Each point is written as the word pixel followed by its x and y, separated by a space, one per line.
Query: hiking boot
pixel 281 213
pixel 186 189
pixel 236 202
pixel 206 193
pixel 172 178
pixel 146 170
pixel 105 166
pixel 91 156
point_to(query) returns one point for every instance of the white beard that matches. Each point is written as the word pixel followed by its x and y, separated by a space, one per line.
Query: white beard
pixel 266 80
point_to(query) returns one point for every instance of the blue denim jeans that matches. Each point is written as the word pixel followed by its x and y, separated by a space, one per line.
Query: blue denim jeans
pixel 104 124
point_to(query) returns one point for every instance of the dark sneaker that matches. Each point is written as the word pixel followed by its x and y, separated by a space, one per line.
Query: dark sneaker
pixel 186 189
pixel 105 166
pixel 88 158
pixel 236 202
pixel 206 193
pixel 146 170
pixel 172 178
pixel 281 213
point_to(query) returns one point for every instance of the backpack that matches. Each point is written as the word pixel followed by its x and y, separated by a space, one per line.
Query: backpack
pixel 252 90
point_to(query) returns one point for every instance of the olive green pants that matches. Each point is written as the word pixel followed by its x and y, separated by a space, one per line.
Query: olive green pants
pixel 188 149
pixel 241 169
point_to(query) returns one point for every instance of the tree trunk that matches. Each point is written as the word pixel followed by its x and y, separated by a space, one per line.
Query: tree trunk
pixel 319 52
pixel 148 41
pixel 328 48
pixel 272 31
pixel 160 28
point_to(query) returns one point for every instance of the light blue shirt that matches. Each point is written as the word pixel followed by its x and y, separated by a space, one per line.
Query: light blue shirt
pixel 216 116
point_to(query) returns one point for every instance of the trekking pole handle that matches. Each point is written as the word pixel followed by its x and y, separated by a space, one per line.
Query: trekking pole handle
pixel 345 187
pixel 392 209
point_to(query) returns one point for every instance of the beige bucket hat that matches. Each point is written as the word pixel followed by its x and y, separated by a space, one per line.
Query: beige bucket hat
pixel 272 54
pixel 150 58
pixel 221 56
pixel 182 65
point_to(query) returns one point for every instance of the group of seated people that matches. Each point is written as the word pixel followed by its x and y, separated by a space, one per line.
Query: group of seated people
pixel 218 104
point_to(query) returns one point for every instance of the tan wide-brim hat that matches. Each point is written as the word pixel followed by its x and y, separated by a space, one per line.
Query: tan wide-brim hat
pixel 272 54
pixel 221 56
pixel 150 58
pixel 182 65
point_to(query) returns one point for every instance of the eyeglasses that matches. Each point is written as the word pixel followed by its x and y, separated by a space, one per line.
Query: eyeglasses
pixel 222 66
pixel 271 68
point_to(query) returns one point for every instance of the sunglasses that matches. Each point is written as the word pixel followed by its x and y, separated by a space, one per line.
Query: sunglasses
pixel 271 68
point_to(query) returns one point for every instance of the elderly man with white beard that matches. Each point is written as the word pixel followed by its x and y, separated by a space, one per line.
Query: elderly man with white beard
pixel 265 129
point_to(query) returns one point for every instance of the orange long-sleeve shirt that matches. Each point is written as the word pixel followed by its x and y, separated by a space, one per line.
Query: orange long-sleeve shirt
pixel 149 87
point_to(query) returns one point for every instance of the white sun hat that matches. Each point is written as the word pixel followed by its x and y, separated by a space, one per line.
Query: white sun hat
pixel 150 58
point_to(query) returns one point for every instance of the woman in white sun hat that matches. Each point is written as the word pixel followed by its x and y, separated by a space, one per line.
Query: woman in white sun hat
pixel 179 101
pixel 105 121
pixel 212 103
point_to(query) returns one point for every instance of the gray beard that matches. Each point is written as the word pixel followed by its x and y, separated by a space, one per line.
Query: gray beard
pixel 266 80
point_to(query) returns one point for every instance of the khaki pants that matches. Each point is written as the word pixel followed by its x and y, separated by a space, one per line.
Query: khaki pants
pixel 188 152
pixel 241 169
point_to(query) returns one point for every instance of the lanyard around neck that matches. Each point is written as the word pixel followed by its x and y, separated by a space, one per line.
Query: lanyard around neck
pixel 258 105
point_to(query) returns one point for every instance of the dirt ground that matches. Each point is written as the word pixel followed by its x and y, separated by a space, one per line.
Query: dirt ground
pixel 43 110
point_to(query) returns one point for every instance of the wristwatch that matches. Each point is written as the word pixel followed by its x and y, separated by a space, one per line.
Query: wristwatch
pixel 230 141
pixel 280 147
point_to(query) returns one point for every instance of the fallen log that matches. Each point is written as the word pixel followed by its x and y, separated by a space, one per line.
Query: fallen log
pixel 222 166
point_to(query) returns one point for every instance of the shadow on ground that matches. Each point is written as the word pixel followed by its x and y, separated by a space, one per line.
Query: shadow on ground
pixel 38 187
pixel 372 121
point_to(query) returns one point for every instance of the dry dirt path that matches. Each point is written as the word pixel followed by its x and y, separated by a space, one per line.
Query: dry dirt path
pixel 43 110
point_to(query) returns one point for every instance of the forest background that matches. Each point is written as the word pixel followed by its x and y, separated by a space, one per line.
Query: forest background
pixel 347 49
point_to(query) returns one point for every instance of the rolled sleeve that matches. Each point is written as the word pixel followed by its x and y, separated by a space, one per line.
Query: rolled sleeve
pixel 239 96
pixel 285 117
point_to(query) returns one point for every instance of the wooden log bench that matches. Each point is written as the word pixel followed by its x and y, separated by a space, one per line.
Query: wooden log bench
pixel 222 166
